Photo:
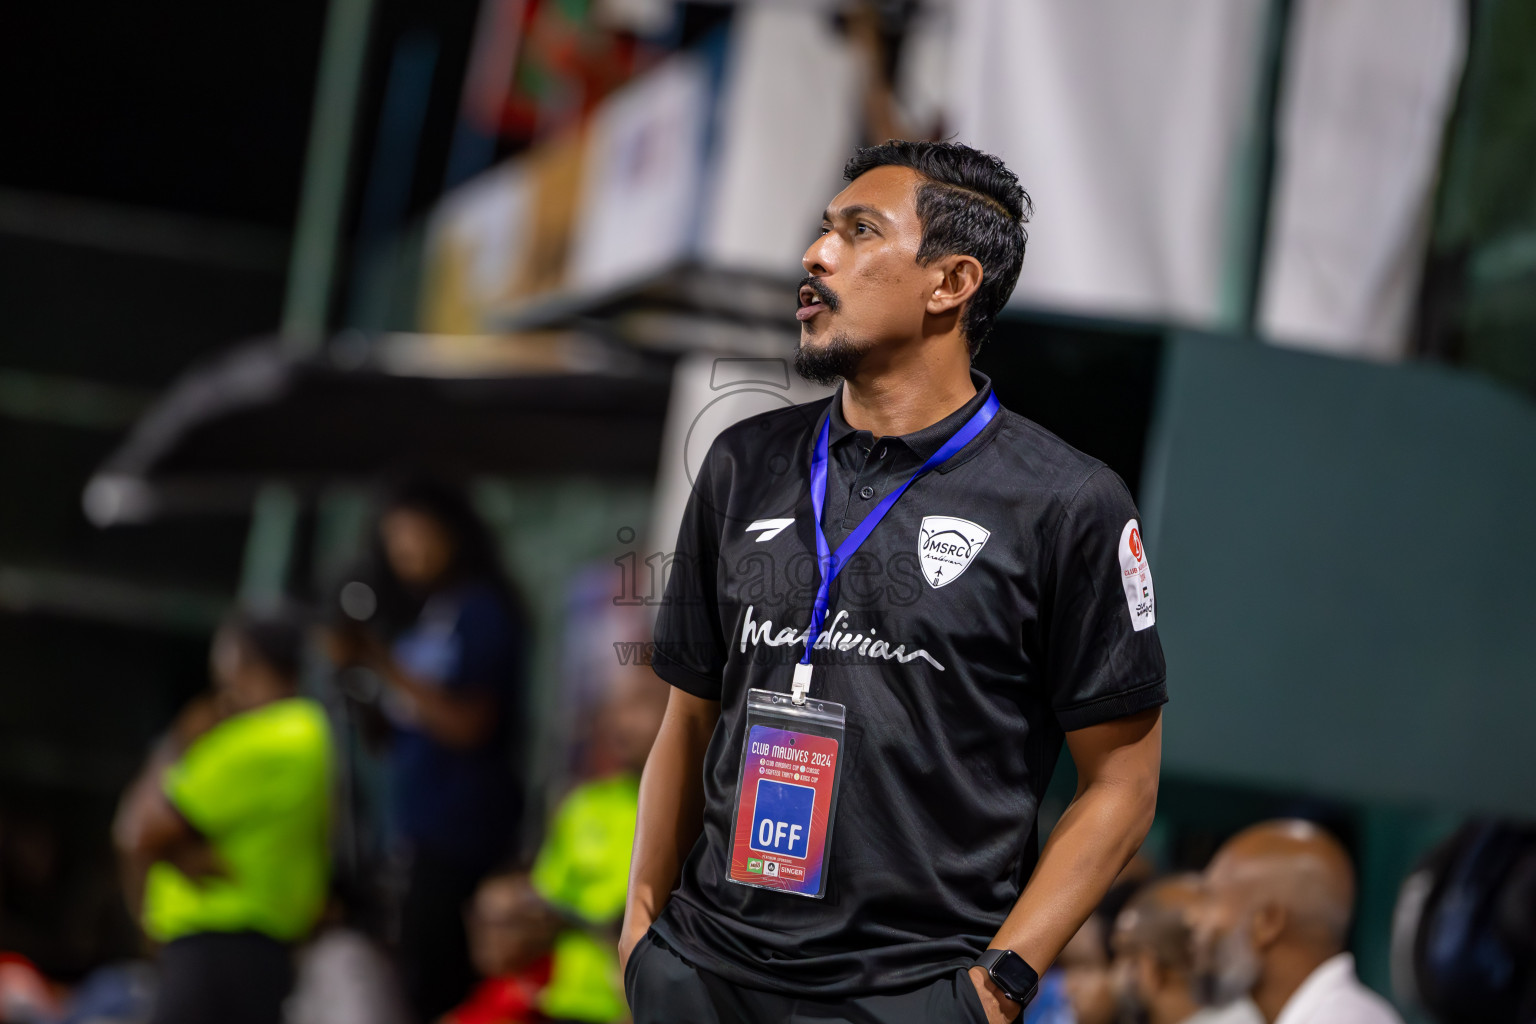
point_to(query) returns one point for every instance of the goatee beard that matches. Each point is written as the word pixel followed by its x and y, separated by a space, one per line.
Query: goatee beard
pixel 827 364
pixel 1233 973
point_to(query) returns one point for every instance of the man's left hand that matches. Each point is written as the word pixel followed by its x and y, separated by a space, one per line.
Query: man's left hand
pixel 1000 1009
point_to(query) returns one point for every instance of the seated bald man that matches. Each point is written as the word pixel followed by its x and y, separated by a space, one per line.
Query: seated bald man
pixel 1272 923
pixel 1154 959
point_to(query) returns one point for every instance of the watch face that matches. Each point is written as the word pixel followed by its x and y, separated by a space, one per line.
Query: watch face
pixel 1015 976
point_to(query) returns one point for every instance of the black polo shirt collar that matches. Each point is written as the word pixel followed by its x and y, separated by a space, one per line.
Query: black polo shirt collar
pixel 863 469
pixel 921 444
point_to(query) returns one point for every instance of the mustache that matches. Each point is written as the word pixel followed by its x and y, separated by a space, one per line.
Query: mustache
pixel 827 296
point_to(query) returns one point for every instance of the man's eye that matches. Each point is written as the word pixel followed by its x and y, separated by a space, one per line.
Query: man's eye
pixel 863 229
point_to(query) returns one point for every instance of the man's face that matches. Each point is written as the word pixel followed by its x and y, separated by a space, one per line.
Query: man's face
pixel 509 927
pixel 864 289
pixel 631 717
pixel 1086 975
pixel 1227 964
pixel 418 548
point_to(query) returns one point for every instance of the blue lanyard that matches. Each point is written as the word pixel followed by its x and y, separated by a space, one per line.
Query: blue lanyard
pixel 830 562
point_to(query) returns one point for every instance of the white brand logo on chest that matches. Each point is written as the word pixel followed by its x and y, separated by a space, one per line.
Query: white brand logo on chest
pixel 946 545
pixel 769 528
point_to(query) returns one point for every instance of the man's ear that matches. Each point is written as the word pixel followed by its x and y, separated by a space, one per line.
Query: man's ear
pixel 958 278
pixel 1269 923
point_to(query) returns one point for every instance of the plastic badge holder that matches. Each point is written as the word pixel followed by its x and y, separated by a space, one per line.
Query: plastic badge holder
pixel 786 793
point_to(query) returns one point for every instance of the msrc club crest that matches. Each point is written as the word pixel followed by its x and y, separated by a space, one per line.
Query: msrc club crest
pixel 946 545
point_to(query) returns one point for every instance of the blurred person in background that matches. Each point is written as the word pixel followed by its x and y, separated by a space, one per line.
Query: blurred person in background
pixel 224 837
pixel 583 867
pixel 453 678
pixel 1154 960
pixel 1272 924
pixel 1082 971
pixel 1464 929
pixel 511 931
pixel 1083 967
pixel 548 938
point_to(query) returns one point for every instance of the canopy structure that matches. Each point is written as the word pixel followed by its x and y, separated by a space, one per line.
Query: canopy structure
pixel 451 406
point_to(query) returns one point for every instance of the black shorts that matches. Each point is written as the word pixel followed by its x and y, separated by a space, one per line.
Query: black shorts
pixel 223 978
pixel 663 988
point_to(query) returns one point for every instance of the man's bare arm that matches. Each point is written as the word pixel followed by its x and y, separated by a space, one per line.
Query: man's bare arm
pixel 1117 772
pixel 149 829
pixel 462 718
pixel 671 811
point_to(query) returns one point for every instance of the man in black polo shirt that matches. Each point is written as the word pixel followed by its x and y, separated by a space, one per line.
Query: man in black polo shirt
pixel 1000 604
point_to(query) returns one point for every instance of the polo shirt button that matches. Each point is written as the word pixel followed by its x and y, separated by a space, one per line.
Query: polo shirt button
pixel 868 492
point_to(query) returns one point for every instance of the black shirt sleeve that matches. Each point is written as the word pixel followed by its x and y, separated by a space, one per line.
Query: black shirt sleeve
pixel 690 646
pixel 1100 665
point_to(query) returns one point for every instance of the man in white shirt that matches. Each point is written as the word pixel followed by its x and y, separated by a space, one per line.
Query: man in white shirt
pixel 1154 959
pixel 1272 923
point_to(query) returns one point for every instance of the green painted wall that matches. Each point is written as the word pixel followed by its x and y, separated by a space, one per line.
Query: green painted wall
pixel 1344 557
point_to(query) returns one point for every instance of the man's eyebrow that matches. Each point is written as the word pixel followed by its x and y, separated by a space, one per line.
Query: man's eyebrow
pixel 849 212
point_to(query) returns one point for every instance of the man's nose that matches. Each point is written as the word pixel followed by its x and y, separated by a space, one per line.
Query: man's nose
pixel 817 260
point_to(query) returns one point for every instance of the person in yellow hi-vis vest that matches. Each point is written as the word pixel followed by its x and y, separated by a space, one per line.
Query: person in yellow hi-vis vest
pixel 583 866
pixel 225 834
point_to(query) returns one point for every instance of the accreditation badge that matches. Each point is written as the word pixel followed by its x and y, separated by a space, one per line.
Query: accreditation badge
pixel 786 794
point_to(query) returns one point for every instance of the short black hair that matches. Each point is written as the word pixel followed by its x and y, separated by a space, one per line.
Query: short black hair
pixel 475 552
pixel 275 636
pixel 971 204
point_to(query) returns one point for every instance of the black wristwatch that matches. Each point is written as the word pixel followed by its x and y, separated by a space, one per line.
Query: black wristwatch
pixel 1016 978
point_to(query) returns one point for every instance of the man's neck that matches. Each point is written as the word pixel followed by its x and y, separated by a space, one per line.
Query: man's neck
pixel 1286 968
pixel 905 395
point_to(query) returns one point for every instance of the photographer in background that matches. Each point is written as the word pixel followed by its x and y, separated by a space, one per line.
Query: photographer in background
pixel 224 837
pixel 453 682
